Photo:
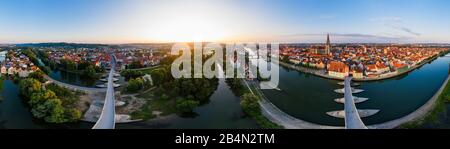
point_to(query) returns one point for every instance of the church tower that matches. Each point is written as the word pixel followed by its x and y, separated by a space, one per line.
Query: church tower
pixel 328 46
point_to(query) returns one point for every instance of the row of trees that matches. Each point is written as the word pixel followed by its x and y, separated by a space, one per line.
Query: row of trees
pixel 34 58
pixel 136 84
pixel 135 65
pixel 236 86
pixel 53 104
pixel 85 68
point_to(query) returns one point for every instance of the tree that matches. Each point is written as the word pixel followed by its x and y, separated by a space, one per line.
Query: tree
pixel 68 65
pixel 89 72
pixel 72 114
pixel 285 59
pixel 128 74
pixel 29 86
pixel 249 104
pixel 38 97
pixel 83 65
pixel 56 111
pixel 185 105
pixel 135 64
pixel 159 76
pixel 38 75
pixel 135 85
pixel 53 65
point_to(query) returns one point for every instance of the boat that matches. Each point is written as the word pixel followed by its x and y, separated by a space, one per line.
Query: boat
pixel 362 113
pixel 352 84
pixel 356 99
pixel 354 91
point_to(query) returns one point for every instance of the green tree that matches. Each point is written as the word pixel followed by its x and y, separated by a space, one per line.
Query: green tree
pixel 159 76
pixel 56 111
pixel 38 97
pixel 185 105
pixel 128 74
pixel 38 75
pixel 89 72
pixel 72 115
pixel 285 59
pixel 135 64
pixel 53 65
pixel 29 86
pixel 249 104
pixel 135 84
pixel 83 65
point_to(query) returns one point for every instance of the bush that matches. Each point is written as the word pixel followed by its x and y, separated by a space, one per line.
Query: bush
pixel 249 103
pixel 184 105
pixel 135 85
pixel 29 86
pixel 38 75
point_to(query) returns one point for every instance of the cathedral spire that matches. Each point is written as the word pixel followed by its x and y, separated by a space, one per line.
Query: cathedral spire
pixel 328 45
pixel 328 40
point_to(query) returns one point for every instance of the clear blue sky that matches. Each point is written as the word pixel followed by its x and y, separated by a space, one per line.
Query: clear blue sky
pixel 125 21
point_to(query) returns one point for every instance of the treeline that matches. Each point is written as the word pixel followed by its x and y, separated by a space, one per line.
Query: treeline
pixel 51 103
pixel 29 52
pixel 85 68
pixel 135 65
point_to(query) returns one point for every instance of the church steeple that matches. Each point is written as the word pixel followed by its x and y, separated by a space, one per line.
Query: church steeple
pixel 328 40
pixel 328 45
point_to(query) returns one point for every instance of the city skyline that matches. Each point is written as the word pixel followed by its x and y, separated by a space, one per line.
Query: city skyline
pixel 116 22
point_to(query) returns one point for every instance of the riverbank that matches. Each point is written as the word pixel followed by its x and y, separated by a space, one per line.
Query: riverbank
pixel 323 73
pixel 417 115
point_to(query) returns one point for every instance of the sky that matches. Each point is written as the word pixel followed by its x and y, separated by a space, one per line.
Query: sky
pixel 284 21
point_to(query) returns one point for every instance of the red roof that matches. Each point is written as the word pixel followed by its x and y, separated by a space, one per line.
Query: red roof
pixel 337 67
